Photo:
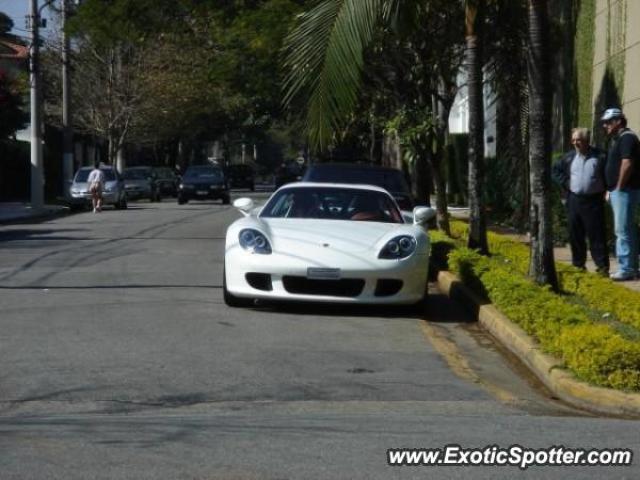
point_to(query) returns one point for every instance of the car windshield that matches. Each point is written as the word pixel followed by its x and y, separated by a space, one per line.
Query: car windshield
pixel 136 174
pixel 332 204
pixel 83 175
pixel 240 170
pixel 203 173
pixel 391 180
pixel 164 173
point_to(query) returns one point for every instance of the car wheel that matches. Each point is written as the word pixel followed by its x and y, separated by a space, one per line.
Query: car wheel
pixel 226 200
pixel 253 187
pixel 181 200
pixel 231 300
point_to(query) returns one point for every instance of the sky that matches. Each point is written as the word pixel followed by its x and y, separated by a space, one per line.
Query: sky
pixel 18 10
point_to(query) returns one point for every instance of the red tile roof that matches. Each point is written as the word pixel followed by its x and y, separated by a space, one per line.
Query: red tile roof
pixel 13 51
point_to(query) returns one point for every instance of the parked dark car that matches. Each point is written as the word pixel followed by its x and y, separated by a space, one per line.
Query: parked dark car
pixel 288 172
pixel 113 193
pixel 201 182
pixel 141 182
pixel 391 179
pixel 241 176
pixel 167 181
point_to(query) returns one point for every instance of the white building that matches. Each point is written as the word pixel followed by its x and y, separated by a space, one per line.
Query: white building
pixel 459 115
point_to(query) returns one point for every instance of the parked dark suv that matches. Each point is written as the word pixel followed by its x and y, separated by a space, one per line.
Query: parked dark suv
pixel 241 176
pixel 391 179
pixel 201 182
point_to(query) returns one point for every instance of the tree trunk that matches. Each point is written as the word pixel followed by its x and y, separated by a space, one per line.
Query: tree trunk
pixel 422 178
pixel 440 181
pixel 121 162
pixel 542 267
pixel 473 59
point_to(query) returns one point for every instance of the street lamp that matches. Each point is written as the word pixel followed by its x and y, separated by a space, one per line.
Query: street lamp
pixel 37 174
pixel 37 177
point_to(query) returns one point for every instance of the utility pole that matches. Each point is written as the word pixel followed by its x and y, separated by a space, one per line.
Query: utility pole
pixel 37 180
pixel 67 132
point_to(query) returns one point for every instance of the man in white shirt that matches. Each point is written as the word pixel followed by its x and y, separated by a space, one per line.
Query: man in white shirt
pixel 96 184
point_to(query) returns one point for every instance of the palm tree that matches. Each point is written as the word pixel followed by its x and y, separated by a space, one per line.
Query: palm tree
pixel 324 58
pixel 542 267
pixel 324 62
pixel 474 12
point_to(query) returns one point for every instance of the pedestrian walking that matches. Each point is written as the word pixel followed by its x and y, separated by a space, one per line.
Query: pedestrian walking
pixel 622 172
pixel 96 185
pixel 580 174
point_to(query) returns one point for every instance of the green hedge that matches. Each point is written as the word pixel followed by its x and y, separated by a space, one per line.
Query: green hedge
pixel 566 325
pixel 598 293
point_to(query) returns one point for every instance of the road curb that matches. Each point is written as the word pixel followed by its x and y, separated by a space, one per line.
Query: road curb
pixel 547 368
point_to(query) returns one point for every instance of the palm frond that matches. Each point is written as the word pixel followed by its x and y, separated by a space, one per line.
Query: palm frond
pixel 324 60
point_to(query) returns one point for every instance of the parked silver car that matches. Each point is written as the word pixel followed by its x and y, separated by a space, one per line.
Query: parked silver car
pixel 113 194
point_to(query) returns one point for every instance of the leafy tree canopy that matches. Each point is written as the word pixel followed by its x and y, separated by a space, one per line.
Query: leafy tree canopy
pixel 12 115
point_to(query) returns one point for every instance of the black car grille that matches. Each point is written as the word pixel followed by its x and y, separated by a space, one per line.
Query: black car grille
pixel 387 287
pixel 259 281
pixel 346 287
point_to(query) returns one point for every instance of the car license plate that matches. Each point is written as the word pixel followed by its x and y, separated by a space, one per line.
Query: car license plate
pixel 202 192
pixel 323 273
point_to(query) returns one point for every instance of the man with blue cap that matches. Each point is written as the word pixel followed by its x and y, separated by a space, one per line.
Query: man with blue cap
pixel 622 172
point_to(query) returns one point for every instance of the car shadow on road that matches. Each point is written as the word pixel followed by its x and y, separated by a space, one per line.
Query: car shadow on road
pixel 439 309
pixel 39 234
pixel 337 310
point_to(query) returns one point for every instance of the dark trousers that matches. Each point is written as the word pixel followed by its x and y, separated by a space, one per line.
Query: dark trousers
pixel 586 219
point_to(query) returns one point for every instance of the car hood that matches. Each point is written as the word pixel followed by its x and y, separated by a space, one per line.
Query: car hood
pixel 202 182
pixel 287 235
pixel 82 186
pixel 136 183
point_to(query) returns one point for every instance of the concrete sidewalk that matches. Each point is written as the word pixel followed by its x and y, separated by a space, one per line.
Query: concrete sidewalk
pixel 18 211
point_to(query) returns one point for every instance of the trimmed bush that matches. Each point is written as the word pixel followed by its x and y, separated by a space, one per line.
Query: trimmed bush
pixel 594 351
pixel 598 293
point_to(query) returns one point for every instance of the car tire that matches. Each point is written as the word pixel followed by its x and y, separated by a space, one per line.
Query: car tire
pixel 253 187
pixel 231 300
pixel 181 200
pixel 226 200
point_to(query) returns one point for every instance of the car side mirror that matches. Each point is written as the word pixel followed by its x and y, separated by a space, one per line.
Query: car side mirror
pixel 244 204
pixel 422 215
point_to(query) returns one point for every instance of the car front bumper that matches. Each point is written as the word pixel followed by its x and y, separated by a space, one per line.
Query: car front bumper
pixel 204 193
pixel 281 276
pixel 83 198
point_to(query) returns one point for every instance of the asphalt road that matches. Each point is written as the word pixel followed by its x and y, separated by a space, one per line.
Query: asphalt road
pixel 120 360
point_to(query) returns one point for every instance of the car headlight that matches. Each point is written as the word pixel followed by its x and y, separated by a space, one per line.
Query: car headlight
pixel 254 241
pixel 398 247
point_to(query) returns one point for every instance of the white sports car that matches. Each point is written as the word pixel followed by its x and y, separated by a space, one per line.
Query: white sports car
pixel 327 243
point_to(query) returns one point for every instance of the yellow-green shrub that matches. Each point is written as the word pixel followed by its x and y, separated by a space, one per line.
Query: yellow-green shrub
pixel 597 293
pixel 593 352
